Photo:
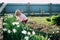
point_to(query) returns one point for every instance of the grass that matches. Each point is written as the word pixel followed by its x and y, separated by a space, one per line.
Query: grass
pixel 37 22
pixel 40 22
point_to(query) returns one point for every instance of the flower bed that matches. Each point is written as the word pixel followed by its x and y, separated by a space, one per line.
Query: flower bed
pixel 14 30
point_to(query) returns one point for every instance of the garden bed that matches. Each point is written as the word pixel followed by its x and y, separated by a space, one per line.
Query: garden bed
pixel 37 25
pixel 14 30
pixel 40 24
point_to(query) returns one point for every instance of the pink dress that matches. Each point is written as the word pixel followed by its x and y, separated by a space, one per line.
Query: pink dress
pixel 22 18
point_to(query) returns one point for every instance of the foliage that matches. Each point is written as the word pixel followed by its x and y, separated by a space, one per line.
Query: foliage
pixel 38 37
pixel 48 19
pixel 54 20
pixel 14 30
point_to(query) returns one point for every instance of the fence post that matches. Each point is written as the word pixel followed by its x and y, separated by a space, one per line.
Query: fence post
pixel 50 8
pixel 39 11
pixel 28 8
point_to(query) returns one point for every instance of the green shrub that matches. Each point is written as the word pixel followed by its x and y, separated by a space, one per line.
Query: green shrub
pixel 38 37
pixel 55 20
pixel 13 29
pixel 48 19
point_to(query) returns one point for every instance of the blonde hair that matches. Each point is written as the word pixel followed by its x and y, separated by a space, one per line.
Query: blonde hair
pixel 17 11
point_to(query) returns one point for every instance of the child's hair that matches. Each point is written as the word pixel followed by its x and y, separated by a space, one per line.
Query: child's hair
pixel 17 11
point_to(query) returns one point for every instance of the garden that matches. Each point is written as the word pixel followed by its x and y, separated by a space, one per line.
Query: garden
pixel 37 28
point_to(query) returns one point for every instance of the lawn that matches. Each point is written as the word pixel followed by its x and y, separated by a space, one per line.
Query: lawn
pixel 41 24
pixel 38 20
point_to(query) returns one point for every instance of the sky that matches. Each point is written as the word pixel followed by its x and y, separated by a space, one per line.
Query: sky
pixel 31 1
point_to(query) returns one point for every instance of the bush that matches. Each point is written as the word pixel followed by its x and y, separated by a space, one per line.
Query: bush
pixel 48 19
pixel 55 20
pixel 38 37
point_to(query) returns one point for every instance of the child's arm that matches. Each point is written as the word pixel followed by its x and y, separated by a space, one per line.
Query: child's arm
pixel 18 19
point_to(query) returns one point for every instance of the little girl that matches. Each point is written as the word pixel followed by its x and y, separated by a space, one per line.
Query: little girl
pixel 21 17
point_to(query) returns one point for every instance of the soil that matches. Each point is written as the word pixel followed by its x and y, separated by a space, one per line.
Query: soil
pixel 45 28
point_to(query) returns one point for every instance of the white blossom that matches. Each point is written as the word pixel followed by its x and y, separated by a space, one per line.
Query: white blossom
pixel 24 32
pixel 14 30
pixel 9 31
pixel 15 23
pixel 28 33
pixel 10 16
pixel 53 32
pixel 26 38
pixel 4 23
pixel 33 32
pixel 48 38
pixel 18 25
pixel 57 31
pixel 1 17
pixel 4 29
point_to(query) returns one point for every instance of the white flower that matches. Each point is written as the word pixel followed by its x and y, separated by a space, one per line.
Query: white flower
pixel 9 31
pixel 14 30
pixel 33 33
pixel 28 33
pixel 1 17
pixel 18 25
pixel 57 31
pixel 4 29
pixel 24 32
pixel 15 23
pixel 48 38
pixel 53 32
pixel 26 38
pixel 10 16
pixel 4 23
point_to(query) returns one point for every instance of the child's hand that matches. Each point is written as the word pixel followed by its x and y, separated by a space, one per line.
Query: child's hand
pixel 16 19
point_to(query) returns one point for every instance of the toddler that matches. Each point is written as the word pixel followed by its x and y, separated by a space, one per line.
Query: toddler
pixel 21 17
